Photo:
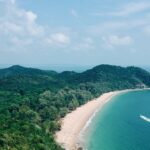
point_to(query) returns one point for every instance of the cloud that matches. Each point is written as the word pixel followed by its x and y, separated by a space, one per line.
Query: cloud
pixel 117 27
pixel 85 44
pixel 13 1
pixel 114 41
pixel 104 27
pixel 146 29
pixel 132 8
pixel 59 39
pixel 31 17
pixel 127 10
pixel 10 27
pixel 8 1
pixel 20 30
pixel 18 22
pixel 18 42
pixel 74 13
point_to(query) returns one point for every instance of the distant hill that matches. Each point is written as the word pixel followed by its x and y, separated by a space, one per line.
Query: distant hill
pixel 113 77
pixel 32 100
pixel 110 73
pixel 106 77
pixel 19 70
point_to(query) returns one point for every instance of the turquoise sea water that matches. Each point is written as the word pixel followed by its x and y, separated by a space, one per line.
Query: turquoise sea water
pixel 118 125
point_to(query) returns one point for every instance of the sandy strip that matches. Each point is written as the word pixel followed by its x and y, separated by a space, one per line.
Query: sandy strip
pixel 75 121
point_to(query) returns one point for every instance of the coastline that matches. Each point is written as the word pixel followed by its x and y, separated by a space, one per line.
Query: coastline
pixel 76 121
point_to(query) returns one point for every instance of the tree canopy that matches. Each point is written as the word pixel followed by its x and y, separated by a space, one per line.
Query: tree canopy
pixel 32 101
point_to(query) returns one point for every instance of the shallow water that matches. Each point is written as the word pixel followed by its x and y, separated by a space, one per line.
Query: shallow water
pixel 122 124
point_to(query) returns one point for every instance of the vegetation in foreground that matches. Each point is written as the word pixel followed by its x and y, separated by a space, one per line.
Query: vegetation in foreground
pixel 32 101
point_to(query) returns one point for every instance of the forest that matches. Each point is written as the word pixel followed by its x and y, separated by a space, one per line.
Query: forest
pixel 33 101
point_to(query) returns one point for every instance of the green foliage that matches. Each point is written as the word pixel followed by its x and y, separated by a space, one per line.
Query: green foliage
pixel 33 101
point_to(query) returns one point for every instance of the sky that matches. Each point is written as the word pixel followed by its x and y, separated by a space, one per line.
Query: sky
pixel 80 32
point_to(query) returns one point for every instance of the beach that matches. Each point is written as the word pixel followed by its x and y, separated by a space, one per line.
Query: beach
pixel 74 122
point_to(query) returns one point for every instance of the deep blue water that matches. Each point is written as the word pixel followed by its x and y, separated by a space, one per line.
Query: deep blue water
pixel 118 125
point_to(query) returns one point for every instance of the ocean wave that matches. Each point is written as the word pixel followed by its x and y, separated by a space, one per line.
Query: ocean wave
pixel 90 120
pixel 145 118
pixel 81 138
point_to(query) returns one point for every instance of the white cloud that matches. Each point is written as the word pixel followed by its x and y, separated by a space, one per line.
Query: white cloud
pixel 31 17
pixel 13 1
pixel 20 42
pixel 132 8
pixel 147 30
pixel 19 23
pixel 74 13
pixel 105 27
pixel 117 27
pixel 10 27
pixel 127 10
pixel 85 44
pixel 9 1
pixel 19 28
pixel 58 39
pixel 114 40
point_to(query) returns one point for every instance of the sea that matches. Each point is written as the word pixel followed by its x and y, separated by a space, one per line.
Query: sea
pixel 122 124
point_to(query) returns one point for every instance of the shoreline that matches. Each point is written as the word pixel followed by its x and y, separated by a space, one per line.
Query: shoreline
pixel 78 120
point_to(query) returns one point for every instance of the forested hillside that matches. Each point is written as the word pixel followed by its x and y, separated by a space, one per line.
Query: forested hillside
pixel 32 101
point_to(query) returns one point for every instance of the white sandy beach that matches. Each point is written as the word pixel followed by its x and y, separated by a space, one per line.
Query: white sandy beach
pixel 75 121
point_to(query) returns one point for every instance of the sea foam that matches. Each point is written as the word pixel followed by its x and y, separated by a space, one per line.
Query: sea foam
pixel 145 118
pixel 81 139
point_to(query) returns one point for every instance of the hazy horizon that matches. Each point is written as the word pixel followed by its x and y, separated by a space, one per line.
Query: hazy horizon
pixel 63 67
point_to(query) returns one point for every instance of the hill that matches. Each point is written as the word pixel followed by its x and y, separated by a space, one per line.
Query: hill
pixel 32 101
pixel 17 70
